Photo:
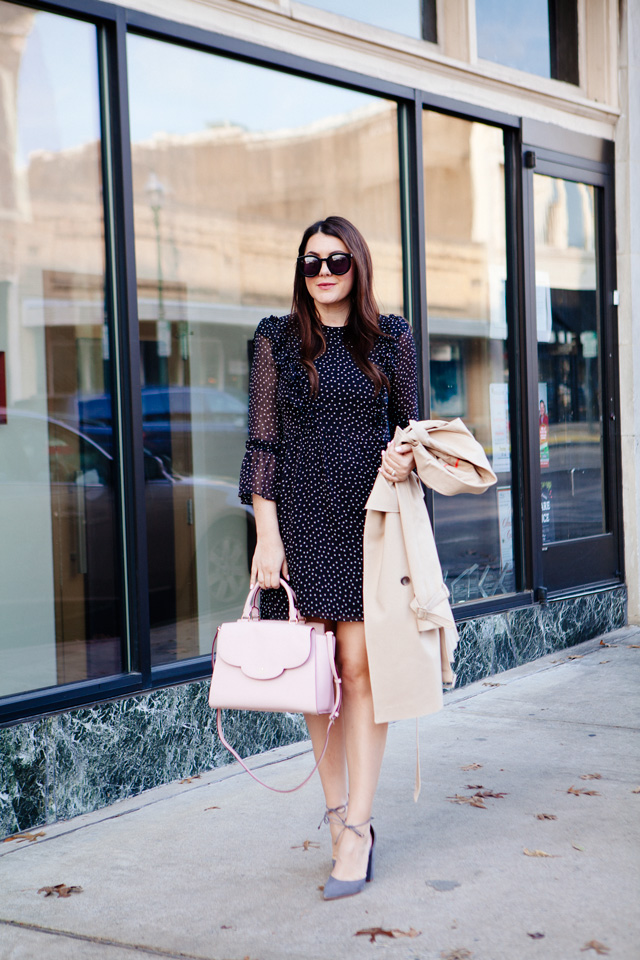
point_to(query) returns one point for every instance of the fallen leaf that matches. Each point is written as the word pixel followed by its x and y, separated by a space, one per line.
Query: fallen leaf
pixel 460 954
pixel 576 846
pixel 306 845
pixel 373 932
pixel 537 853
pixel 604 661
pixel 61 889
pixel 597 946
pixel 487 684
pixel 491 794
pixel 536 936
pixel 198 776
pixel 586 793
pixel 212 808
pixel 21 837
pixel 546 816
pixel 226 926
pixel 633 646
pixel 473 786
pixel 575 656
pixel 636 790
pixel 591 776
pixel 603 644
pixel 471 766
pixel 474 801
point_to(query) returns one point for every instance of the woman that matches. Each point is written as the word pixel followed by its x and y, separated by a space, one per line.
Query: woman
pixel 329 384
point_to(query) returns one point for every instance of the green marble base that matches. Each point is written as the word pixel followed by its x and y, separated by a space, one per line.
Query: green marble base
pixel 55 768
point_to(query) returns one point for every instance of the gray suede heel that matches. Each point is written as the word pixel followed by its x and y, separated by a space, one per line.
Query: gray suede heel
pixel 337 889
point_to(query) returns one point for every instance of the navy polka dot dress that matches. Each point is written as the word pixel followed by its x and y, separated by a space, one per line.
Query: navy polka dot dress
pixel 318 457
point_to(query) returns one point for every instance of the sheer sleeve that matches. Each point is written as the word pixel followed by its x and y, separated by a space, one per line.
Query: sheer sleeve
pixel 403 396
pixel 259 471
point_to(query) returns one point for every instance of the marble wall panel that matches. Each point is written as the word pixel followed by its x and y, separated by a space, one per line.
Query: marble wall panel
pixel 55 768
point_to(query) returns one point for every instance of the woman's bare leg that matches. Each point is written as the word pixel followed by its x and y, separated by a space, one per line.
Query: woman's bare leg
pixel 364 743
pixel 333 769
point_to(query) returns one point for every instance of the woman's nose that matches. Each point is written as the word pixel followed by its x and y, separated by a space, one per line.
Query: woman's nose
pixel 324 269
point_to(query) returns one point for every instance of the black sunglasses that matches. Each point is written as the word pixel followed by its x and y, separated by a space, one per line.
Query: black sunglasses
pixel 337 263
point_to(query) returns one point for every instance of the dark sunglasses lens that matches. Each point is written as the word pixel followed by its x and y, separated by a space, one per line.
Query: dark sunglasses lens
pixel 309 266
pixel 339 263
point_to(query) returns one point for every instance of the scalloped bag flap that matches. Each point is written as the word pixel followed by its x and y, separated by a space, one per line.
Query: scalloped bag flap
pixel 264 649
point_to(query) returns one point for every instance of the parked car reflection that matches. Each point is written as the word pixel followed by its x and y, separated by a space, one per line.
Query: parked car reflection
pixel 78 475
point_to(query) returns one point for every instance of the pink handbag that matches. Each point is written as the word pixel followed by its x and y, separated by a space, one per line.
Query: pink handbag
pixel 274 665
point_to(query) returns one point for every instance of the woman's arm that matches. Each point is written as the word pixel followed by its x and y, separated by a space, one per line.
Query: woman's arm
pixel 269 559
pixel 398 462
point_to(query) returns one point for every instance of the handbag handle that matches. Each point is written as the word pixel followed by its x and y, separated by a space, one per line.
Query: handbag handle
pixel 333 716
pixel 251 609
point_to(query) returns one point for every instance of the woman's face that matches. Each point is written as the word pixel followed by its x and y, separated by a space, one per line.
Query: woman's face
pixel 327 288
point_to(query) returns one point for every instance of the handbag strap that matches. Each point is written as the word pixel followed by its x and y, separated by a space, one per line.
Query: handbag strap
pixel 333 716
pixel 251 609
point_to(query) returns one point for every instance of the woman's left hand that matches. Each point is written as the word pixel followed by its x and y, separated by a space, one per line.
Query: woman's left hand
pixel 397 462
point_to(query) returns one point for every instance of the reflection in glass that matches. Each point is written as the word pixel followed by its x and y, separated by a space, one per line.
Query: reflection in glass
pixel 466 276
pixel 569 396
pixel 406 16
pixel 59 585
pixel 515 34
pixel 229 167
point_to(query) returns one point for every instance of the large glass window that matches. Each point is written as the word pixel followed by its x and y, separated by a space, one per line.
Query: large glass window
pixel 230 163
pixel 415 18
pixel 569 392
pixel 466 277
pixel 58 576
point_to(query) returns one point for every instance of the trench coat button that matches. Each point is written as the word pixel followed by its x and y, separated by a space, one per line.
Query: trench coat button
pixel 405 581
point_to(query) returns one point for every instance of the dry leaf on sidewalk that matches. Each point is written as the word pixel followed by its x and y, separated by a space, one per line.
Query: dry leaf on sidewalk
pixel 591 776
pixel 474 786
pixel 538 853
pixel 474 801
pixel 546 816
pixel 576 656
pixel 61 889
pixel 460 954
pixel 471 766
pixel 536 936
pixel 212 808
pixel 198 776
pixel 586 793
pixel 576 846
pixel 21 837
pixel 487 684
pixel 636 790
pixel 373 932
pixel 491 794
pixel 633 646
pixel 597 946
pixel 306 845
pixel 603 644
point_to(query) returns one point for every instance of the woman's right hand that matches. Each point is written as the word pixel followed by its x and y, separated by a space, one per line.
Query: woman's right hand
pixel 269 563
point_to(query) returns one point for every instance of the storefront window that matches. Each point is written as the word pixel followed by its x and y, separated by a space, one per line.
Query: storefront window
pixel 569 392
pixel 59 590
pixel 466 277
pixel 230 163
pixel 415 18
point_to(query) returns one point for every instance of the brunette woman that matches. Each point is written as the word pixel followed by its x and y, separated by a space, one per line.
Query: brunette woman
pixel 329 384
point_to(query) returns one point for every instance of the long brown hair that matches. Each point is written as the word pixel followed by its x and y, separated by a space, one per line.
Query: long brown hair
pixel 362 328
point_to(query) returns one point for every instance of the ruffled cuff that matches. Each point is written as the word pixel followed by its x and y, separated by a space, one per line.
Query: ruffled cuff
pixel 259 471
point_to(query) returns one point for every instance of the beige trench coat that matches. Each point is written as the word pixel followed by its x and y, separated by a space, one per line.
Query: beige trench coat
pixel 409 628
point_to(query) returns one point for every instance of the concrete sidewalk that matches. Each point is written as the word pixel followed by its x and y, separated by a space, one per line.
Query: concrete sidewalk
pixel 217 868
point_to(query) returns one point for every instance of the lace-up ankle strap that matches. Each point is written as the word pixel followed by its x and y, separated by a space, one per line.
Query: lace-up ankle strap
pixel 354 827
pixel 337 812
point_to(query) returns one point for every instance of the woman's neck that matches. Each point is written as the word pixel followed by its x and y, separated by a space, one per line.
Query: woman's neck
pixel 333 314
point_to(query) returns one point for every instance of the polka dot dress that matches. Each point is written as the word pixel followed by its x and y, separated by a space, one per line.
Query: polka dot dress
pixel 318 457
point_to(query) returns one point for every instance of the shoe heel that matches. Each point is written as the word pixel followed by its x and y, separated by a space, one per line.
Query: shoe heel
pixel 370 863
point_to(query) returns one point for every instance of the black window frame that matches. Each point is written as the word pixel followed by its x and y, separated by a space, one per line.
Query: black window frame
pixel 520 137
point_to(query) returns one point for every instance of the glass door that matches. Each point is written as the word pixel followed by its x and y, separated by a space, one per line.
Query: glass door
pixel 575 520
